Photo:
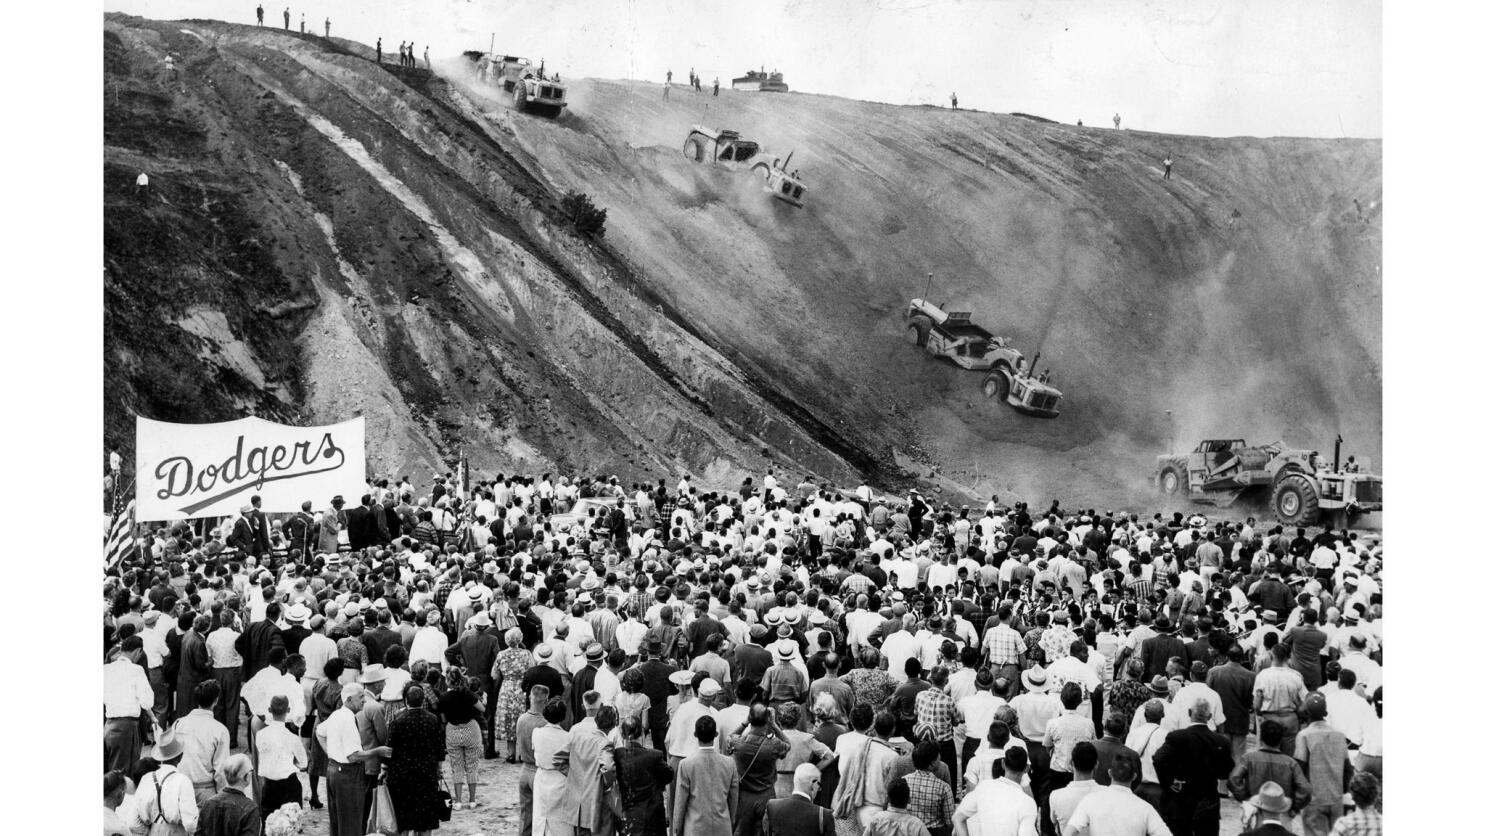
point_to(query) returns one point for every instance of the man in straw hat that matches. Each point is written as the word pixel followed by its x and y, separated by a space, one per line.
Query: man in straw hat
pixel 165 802
pixel 1271 815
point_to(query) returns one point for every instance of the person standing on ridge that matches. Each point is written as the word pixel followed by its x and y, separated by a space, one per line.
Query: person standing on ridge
pixel 327 27
pixel 954 102
pixel 428 65
pixel 260 14
pixel 301 23
pixel 379 49
pixel 715 86
pixel 286 18
pixel 1117 121
pixel 1166 163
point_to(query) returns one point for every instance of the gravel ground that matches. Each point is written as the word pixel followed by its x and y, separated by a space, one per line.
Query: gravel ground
pixel 500 816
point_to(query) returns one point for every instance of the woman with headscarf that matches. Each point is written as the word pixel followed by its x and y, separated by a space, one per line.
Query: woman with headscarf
pixel 511 665
pixel 417 741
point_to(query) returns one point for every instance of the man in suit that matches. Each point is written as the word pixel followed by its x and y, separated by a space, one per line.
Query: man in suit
pixel 643 774
pixel 1161 648
pixel 258 639
pixel 1112 744
pixel 259 525
pixel 361 525
pixel 798 815
pixel 1234 683
pixel 331 523
pixel 706 788
pixel 657 674
pixel 589 752
pixel 1189 765
pixel 196 665
pixel 241 536
pixel 584 677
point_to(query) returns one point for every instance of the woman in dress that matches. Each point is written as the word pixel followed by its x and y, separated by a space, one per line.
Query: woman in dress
pixel 417 738
pixel 871 684
pixel 631 701
pixel 324 699
pixel 803 749
pixel 510 667
pixel 459 707
pixel 554 810
pixel 830 726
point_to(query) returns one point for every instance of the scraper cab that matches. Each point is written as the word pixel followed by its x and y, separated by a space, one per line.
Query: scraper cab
pixel 724 147
pixel 779 181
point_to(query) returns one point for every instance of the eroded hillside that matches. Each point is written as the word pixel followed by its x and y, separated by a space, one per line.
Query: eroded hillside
pixel 330 238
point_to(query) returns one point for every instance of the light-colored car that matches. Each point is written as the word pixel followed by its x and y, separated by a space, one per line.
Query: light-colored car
pixel 594 506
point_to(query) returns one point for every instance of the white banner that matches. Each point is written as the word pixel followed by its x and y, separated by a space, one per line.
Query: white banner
pixel 185 471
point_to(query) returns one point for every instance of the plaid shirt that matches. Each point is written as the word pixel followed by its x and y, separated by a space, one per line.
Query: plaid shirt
pixel 1359 822
pixel 856 584
pixel 938 711
pixel 930 799
pixel 639 603
pixel 442 591
pixel 1003 645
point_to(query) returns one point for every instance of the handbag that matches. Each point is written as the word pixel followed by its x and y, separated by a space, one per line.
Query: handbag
pixel 383 819
pixel 446 801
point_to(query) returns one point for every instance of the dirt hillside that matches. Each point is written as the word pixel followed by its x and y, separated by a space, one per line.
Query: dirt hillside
pixel 328 238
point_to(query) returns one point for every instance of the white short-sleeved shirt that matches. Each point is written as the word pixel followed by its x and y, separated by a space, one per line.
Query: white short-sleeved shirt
pixel 342 738
pixel 999 808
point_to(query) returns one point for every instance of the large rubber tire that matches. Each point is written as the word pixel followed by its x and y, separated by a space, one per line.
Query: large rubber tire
pixel 918 332
pixel 997 385
pixel 519 96
pixel 693 150
pixel 1294 501
pixel 1173 482
pixel 761 170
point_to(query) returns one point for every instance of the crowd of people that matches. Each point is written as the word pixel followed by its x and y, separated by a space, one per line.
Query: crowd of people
pixel 666 660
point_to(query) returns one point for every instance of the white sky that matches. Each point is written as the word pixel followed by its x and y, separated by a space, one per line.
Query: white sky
pixel 1236 67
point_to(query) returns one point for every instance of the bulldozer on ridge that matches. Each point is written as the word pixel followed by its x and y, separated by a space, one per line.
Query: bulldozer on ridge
pixel 952 336
pixel 729 149
pixel 1301 487
pixel 531 90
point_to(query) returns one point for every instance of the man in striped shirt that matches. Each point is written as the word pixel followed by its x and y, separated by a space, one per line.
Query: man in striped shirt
pixel 1003 648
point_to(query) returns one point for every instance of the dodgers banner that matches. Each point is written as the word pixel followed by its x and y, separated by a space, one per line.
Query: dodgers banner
pixel 184 471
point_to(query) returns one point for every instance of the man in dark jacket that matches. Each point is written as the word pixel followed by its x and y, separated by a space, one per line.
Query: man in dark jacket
pixel 583 679
pixel 1159 649
pixel 1112 745
pixel 299 531
pixel 657 675
pixel 381 637
pixel 259 525
pixel 361 525
pixel 1235 686
pixel 1307 644
pixel 1189 765
pixel 798 815
pixel 476 653
pixel 258 639
pixel 241 536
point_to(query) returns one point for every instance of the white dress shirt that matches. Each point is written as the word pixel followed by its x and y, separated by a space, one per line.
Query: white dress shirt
pixel 317 648
pixel 429 644
pixel 980 711
pixel 999 808
pixel 1115 811
pixel 126 690
pixel 269 683
pixel 155 649
pixel 342 738
pixel 280 752
pixel 176 799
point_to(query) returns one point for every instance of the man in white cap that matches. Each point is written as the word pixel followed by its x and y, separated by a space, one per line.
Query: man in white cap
pixel 681 742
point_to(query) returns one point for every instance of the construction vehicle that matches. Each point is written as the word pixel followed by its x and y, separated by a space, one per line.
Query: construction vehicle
pixel 1009 377
pixel 709 145
pixel 758 81
pixel 728 148
pixel 1301 488
pixel 531 90
pixel 779 181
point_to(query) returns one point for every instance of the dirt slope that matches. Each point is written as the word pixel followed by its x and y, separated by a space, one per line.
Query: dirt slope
pixel 331 238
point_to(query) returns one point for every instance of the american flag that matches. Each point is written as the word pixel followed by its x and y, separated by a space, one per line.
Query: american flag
pixel 120 541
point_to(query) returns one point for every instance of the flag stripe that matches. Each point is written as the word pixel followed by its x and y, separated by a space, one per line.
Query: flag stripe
pixel 120 540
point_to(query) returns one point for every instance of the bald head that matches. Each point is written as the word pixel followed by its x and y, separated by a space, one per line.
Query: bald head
pixel 807 780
